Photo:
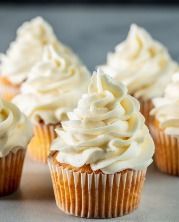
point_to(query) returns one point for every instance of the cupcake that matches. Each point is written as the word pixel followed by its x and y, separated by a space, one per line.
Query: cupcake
pixel 24 53
pixel 144 65
pixel 15 133
pixel 165 128
pixel 53 88
pixel 99 159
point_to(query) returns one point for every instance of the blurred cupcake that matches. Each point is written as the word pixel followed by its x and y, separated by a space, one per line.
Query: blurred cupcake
pixel 144 65
pixel 99 160
pixel 24 52
pixel 165 128
pixel 15 133
pixel 53 88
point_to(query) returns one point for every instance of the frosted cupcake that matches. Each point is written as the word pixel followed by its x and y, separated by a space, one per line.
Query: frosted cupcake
pixel 99 160
pixel 143 64
pixel 165 128
pixel 15 133
pixel 24 53
pixel 53 88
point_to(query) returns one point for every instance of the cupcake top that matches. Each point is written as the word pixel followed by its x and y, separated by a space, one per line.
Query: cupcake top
pixel 141 63
pixel 53 88
pixel 26 50
pixel 106 130
pixel 166 108
pixel 15 129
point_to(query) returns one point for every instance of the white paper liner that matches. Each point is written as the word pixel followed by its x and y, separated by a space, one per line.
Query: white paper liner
pixel 96 195
pixel 145 108
pixel 39 147
pixel 10 171
pixel 166 151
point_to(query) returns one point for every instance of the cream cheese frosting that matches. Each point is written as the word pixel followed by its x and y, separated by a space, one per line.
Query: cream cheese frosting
pixel 166 108
pixel 105 130
pixel 26 50
pixel 141 63
pixel 15 129
pixel 53 88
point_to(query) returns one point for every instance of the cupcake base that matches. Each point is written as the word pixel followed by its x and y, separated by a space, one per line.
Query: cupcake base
pixel 7 90
pixel 166 150
pixel 10 172
pixel 39 147
pixel 93 194
pixel 145 108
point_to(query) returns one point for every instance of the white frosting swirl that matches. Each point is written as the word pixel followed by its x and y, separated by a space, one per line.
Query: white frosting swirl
pixel 54 86
pixel 106 130
pixel 142 64
pixel 166 109
pixel 15 129
pixel 26 50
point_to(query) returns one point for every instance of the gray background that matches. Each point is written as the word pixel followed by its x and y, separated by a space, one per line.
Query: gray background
pixel 91 32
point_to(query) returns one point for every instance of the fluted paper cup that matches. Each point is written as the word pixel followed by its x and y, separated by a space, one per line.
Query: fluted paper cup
pixel 145 108
pixel 166 150
pixel 10 171
pixel 39 147
pixel 95 195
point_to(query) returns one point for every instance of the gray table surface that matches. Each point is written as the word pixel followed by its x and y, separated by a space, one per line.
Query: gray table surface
pixel 91 32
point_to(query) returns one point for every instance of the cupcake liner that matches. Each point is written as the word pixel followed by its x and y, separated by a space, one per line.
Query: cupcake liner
pixel 96 195
pixel 166 151
pixel 11 170
pixel 8 91
pixel 39 147
pixel 145 108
